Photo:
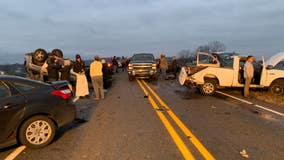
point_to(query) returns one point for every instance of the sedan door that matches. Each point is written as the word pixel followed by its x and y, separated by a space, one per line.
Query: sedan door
pixel 11 111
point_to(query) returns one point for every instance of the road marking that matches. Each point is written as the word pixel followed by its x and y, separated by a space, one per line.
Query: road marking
pixel 256 105
pixel 178 141
pixel 205 153
pixel 15 153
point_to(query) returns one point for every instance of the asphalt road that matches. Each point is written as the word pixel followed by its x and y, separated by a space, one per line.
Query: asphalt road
pixel 131 124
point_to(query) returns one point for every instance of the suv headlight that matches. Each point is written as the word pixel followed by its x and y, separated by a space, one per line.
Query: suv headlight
pixel 130 66
pixel 154 66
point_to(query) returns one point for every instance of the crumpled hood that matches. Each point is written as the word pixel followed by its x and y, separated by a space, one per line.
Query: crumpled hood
pixel 272 61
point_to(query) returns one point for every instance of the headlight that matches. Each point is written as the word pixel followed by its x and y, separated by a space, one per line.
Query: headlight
pixel 130 66
pixel 154 66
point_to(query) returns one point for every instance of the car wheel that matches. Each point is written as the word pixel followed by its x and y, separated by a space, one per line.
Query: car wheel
pixel 208 88
pixel 39 56
pixel 57 53
pixel 277 88
pixel 37 132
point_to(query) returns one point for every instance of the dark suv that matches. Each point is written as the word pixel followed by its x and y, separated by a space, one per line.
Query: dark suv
pixel 142 65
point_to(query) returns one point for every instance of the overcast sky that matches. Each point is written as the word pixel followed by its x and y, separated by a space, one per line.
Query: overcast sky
pixel 122 27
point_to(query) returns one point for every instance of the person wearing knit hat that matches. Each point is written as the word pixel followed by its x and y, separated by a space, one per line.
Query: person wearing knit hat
pixel 82 89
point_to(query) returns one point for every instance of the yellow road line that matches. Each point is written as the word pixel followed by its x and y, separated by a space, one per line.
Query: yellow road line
pixel 15 153
pixel 205 153
pixel 178 141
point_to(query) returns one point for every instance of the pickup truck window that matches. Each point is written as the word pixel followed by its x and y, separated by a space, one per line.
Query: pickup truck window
pixel 205 59
pixel 280 65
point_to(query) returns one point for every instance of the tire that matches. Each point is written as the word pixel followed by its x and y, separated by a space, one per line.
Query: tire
pixel 155 77
pixel 208 88
pixel 130 78
pixel 37 132
pixel 277 87
pixel 39 57
pixel 57 52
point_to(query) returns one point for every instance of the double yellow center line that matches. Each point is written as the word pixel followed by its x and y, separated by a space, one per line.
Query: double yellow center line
pixel 177 139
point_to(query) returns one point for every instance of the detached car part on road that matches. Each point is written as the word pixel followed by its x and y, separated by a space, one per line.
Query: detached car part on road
pixel 226 70
pixel 142 65
pixel 31 111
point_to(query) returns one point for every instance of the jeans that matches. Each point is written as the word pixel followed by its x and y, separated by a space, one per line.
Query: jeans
pixel 247 84
pixel 98 86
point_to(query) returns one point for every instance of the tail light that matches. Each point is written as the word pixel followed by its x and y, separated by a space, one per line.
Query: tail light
pixel 63 93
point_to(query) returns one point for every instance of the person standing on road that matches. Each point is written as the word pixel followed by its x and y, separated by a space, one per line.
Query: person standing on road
pixel 248 74
pixel 163 66
pixel 65 70
pixel 174 66
pixel 96 73
pixel 82 89
pixel 123 63
pixel 53 69
pixel 115 64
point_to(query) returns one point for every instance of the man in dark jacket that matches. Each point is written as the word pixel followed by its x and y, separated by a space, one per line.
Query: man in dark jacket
pixel 174 66
pixel 52 69
pixel 65 70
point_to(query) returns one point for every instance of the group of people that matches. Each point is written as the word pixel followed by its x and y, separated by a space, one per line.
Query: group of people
pixel 96 73
pixel 115 64
pixel 164 66
pixel 58 71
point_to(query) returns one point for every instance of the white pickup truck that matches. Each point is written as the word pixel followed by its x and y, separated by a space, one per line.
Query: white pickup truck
pixel 226 70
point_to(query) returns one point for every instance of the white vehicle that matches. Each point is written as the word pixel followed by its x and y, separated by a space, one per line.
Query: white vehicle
pixel 226 70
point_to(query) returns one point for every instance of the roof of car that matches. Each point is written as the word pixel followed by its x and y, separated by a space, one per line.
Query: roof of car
pixel 13 77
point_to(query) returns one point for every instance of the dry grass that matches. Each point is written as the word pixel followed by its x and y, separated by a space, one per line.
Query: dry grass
pixel 262 95
pixel 268 97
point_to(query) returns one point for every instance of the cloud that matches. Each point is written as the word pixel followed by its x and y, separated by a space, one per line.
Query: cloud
pixel 127 26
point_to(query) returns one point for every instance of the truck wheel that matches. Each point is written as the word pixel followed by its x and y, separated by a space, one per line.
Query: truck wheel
pixel 57 53
pixel 155 77
pixel 39 56
pixel 37 132
pixel 208 88
pixel 277 87
pixel 130 78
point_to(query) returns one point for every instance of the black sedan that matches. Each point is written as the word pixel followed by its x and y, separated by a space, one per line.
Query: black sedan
pixel 31 111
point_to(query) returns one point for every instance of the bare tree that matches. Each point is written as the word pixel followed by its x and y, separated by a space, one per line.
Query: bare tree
pixel 216 46
pixel 203 48
pixel 184 54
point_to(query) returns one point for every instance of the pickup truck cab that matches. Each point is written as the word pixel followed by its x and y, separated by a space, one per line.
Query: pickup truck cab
pixel 226 70
pixel 142 65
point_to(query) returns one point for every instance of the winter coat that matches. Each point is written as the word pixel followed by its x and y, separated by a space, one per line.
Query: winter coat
pixel 174 65
pixel 65 72
pixel 163 63
pixel 79 67
pixel 53 70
